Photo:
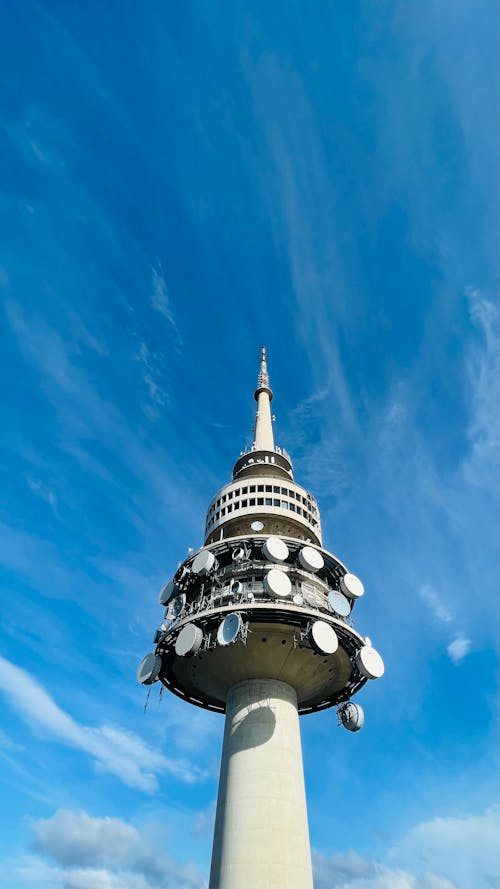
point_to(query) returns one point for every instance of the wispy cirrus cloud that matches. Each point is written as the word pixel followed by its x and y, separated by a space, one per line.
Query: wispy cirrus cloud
pixel 112 749
pixel 459 647
pixel 161 302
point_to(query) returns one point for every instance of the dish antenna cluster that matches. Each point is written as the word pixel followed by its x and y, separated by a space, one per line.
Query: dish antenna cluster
pixel 258 625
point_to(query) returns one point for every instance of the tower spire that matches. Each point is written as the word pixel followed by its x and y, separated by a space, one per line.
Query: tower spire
pixel 263 433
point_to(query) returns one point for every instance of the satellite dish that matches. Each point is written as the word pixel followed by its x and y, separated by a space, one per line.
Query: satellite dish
pixel 352 716
pixel 229 629
pixel 323 637
pixel 257 526
pixel 175 607
pixel 167 592
pixel 203 562
pixel 369 662
pixel 297 599
pixel 311 559
pixel 148 669
pixel 189 640
pixel 238 554
pixel 351 586
pixel 236 587
pixel 275 549
pixel 339 604
pixel 277 583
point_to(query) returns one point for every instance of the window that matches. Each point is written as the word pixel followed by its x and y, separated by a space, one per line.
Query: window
pixel 269 501
pixel 252 501
pixel 244 490
pixel 284 504
pixel 269 489
pixel 276 502
pixel 230 494
pixel 284 491
pixel 260 487
pixel 292 507
pixel 244 503
pixel 252 489
pixel 223 511
pixel 237 492
pixel 230 508
pixel 217 514
pixel 218 502
pixel 260 501
pixel 276 490
pixel 223 498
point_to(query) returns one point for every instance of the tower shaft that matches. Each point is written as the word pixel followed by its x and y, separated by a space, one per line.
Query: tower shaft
pixel 261 834
pixel 264 437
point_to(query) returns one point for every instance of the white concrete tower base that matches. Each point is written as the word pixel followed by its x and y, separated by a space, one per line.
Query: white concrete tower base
pixel 261 838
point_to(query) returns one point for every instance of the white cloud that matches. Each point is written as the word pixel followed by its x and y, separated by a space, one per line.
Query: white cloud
pixel 464 849
pixel 458 649
pixel 43 492
pixel 151 375
pixel 113 750
pixel 108 853
pixel 160 300
pixel 482 372
pixel 444 853
pixel 435 601
pixel 351 871
pixel 460 646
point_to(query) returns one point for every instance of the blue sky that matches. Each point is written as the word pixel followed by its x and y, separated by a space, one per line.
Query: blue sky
pixel 180 184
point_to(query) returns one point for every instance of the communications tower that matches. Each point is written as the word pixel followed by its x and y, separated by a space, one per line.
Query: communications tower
pixel 258 625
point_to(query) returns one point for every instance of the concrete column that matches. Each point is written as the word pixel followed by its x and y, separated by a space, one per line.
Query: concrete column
pixel 261 838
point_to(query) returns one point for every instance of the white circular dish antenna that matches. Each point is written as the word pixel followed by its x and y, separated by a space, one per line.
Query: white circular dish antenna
pixel 189 640
pixel 257 526
pixel 167 592
pixel 323 637
pixel 339 604
pixel 352 716
pixel 277 583
pixel 148 669
pixel 275 549
pixel 203 562
pixel 229 629
pixel 297 599
pixel 311 559
pixel 351 586
pixel 369 662
pixel 176 607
